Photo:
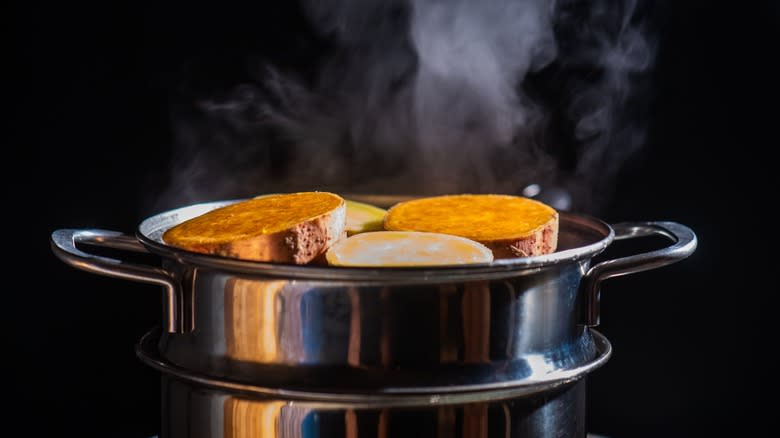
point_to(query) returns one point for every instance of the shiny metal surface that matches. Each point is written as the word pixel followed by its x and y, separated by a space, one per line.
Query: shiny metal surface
pixel 192 411
pixel 393 330
pixel 684 244
pixel 335 335
pixel 146 350
pixel 63 244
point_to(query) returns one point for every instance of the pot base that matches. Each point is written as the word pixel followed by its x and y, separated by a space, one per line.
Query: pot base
pixel 190 410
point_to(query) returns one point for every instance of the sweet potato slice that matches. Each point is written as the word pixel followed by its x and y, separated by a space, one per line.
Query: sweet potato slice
pixel 287 228
pixel 362 217
pixel 511 226
pixel 406 248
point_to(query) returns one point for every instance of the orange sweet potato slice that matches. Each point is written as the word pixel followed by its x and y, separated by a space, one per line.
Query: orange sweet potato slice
pixel 511 226
pixel 287 228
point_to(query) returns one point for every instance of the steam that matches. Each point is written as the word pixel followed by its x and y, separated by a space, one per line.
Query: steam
pixel 427 97
pixel 473 56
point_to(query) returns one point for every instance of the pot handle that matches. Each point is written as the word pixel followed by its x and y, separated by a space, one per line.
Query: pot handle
pixel 684 244
pixel 63 244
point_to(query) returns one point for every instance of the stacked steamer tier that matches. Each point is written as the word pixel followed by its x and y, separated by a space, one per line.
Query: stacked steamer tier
pixel 260 349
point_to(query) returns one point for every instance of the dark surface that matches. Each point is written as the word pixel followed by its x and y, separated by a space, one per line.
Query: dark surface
pixel 90 144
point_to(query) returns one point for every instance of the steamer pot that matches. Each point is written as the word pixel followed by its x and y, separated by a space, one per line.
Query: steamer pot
pixel 196 406
pixel 519 324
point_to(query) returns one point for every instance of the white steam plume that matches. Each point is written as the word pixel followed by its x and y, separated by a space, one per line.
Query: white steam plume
pixel 431 96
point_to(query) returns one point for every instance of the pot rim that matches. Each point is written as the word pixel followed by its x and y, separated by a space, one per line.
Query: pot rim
pixel 599 233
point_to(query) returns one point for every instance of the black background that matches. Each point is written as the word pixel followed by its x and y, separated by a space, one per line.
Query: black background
pixel 89 141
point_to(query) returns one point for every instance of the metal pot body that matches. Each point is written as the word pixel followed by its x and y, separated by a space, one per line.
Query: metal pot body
pixel 194 405
pixel 193 411
pixel 348 335
pixel 511 323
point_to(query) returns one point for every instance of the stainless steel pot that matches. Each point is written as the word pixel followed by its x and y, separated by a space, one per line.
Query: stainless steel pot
pixel 520 324
pixel 216 410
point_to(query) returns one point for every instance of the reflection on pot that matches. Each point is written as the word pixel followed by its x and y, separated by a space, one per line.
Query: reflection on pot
pixel 247 417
